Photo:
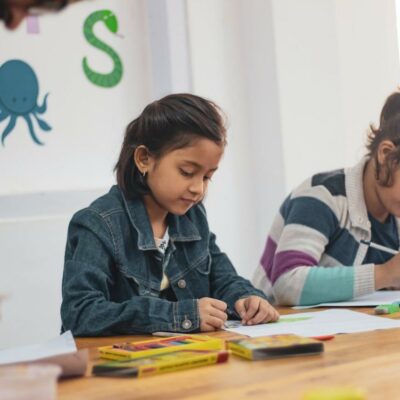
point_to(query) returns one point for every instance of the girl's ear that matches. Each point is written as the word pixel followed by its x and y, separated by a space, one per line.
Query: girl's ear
pixel 384 148
pixel 142 159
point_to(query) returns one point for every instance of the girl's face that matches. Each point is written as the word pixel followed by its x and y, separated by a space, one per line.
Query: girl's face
pixel 179 179
pixel 390 196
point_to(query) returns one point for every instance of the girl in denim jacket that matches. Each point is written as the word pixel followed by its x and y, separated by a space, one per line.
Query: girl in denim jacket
pixel 141 258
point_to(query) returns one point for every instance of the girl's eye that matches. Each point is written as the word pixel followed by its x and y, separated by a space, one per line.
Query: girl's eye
pixel 207 178
pixel 186 173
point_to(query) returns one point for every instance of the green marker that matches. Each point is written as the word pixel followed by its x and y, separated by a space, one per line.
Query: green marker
pixel 387 309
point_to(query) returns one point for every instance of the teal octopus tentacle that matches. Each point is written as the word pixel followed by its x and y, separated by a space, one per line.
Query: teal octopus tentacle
pixel 41 109
pixel 3 114
pixel 43 124
pixel 8 129
pixel 27 118
pixel 114 77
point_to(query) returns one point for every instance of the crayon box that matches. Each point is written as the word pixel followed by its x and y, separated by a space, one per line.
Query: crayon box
pixel 146 348
pixel 275 346
pixel 158 364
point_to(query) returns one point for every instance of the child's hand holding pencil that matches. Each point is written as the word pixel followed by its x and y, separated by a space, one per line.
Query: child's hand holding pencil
pixel 212 314
pixel 255 310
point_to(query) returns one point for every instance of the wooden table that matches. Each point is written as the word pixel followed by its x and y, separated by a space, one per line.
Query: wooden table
pixel 370 361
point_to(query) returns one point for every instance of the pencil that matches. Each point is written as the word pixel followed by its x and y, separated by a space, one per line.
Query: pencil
pixel 168 334
pixel 380 247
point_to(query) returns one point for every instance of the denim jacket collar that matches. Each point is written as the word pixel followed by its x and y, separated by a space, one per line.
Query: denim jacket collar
pixel 181 228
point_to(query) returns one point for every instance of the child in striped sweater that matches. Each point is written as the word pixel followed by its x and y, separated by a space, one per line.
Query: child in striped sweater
pixel 320 245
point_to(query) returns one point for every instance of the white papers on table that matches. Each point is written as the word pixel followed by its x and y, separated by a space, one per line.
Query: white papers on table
pixel 63 344
pixel 319 323
pixel 373 299
pixel 61 351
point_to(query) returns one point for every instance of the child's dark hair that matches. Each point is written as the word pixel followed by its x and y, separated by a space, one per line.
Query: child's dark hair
pixel 389 129
pixel 171 123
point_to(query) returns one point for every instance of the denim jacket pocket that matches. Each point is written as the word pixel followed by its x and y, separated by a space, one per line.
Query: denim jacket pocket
pixel 203 266
pixel 198 277
pixel 139 286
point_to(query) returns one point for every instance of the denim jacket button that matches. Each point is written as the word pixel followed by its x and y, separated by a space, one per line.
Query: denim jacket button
pixel 181 283
pixel 186 324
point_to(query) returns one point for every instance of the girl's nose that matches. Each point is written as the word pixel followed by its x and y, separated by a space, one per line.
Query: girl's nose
pixel 197 187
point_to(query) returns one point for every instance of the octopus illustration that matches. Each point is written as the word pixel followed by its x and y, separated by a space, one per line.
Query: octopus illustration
pixel 19 91
pixel 110 20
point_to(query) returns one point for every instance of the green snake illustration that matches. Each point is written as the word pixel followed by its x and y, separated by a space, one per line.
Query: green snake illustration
pixel 110 20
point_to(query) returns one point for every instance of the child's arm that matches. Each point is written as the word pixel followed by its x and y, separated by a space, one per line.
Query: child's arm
pixel 225 283
pixel 90 272
pixel 311 225
pixel 212 314
pixel 255 310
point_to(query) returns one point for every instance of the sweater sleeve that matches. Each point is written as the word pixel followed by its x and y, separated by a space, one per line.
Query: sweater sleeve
pixel 298 275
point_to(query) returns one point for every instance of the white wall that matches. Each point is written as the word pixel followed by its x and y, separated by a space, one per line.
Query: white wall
pixel 368 50
pixel 169 47
pixel 337 60
pixel 33 231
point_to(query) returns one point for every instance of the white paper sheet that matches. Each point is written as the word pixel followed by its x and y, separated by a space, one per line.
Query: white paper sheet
pixel 374 299
pixel 63 344
pixel 320 323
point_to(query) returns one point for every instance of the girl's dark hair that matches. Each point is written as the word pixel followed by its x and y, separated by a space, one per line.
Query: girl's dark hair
pixel 389 129
pixel 171 123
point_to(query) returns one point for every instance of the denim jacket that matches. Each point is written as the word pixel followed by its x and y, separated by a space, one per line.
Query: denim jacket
pixel 111 286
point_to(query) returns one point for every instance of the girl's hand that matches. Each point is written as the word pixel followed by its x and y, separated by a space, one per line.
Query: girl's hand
pixel 255 310
pixel 387 275
pixel 212 314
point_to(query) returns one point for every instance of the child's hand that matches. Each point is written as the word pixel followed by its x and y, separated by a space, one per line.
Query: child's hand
pixel 387 275
pixel 212 314
pixel 255 310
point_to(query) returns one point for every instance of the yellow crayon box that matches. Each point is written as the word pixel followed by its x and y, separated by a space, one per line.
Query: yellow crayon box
pixel 275 346
pixel 162 363
pixel 146 348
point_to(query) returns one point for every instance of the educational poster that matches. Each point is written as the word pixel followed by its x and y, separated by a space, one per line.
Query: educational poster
pixel 69 85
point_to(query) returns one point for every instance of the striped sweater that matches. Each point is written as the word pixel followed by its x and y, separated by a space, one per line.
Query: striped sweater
pixel 313 253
